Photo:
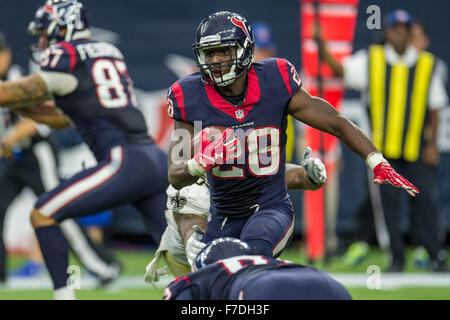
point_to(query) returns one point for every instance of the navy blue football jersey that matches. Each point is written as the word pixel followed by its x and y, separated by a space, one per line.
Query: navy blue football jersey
pixel 255 277
pixel 213 281
pixel 255 179
pixel 102 107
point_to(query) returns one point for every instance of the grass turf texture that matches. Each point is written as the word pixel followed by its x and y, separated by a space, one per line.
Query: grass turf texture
pixel 135 261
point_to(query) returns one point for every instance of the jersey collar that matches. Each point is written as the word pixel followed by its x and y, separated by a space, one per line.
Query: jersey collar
pixel 237 112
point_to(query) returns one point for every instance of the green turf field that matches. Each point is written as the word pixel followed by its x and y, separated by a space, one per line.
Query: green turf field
pixel 131 286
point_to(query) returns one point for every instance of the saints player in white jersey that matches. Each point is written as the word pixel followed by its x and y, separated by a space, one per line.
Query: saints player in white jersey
pixel 187 214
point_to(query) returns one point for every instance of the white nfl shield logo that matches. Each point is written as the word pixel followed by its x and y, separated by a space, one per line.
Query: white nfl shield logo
pixel 239 114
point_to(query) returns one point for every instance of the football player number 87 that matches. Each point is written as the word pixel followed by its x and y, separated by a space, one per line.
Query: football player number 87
pixel 257 166
pixel 110 90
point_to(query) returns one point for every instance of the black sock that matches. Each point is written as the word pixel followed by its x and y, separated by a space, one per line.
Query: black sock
pixel 55 251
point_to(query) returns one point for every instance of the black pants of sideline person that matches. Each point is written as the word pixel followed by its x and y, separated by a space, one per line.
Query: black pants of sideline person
pixel 15 175
pixel 423 212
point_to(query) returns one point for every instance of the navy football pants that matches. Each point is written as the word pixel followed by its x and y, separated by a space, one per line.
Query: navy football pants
pixel 135 174
pixel 274 225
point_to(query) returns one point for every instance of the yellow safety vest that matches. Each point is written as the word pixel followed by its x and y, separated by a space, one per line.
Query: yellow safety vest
pixel 398 103
pixel 290 143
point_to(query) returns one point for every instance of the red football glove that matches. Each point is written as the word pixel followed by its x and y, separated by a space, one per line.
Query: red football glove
pixel 212 153
pixel 384 173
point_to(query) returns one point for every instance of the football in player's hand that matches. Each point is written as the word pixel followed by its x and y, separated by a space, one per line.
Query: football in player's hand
pixel 214 133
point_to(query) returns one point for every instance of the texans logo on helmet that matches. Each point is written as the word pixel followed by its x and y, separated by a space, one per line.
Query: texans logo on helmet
pixel 239 23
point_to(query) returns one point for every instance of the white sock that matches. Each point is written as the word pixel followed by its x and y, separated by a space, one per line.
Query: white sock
pixel 64 293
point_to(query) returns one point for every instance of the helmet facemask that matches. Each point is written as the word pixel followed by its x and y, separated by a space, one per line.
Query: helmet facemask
pixel 60 21
pixel 235 62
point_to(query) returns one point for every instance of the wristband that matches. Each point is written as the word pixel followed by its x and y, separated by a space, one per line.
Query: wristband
pixel 374 159
pixel 194 168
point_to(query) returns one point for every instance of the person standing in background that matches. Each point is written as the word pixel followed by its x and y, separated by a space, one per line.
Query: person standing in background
pixel 26 154
pixel 404 96
pixel 420 39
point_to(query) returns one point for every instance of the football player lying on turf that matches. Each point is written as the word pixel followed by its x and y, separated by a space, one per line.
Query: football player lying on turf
pixel 228 269
pixel 187 213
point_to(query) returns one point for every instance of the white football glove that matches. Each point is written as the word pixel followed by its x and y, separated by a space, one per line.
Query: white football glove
pixel 314 167
pixel 194 244
pixel 152 273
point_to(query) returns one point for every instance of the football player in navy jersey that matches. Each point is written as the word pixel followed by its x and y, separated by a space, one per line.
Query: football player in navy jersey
pixel 246 164
pixel 227 269
pixel 90 84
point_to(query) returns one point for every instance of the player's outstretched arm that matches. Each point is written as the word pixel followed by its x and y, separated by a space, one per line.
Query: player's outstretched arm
pixel 25 92
pixel 297 178
pixel 319 114
pixel 311 175
pixel 46 113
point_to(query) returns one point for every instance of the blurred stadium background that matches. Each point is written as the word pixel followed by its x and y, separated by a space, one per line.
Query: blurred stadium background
pixel 156 38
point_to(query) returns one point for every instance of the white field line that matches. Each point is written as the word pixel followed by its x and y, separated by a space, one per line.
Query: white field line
pixel 387 281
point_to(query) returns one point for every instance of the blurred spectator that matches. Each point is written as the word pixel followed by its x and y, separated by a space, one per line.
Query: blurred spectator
pixel 420 39
pixel 404 96
pixel 265 46
pixel 28 156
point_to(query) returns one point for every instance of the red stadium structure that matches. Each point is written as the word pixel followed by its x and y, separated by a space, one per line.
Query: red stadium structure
pixel 337 19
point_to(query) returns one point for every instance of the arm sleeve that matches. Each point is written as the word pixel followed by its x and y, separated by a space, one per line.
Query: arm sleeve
pixel 175 102
pixel 59 83
pixel 57 65
pixel 356 74
pixel 290 76
pixel 61 57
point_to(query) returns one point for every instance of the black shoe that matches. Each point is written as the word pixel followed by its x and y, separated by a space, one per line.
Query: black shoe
pixel 397 265
pixel 395 268
pixel 103 282
pixel 439 266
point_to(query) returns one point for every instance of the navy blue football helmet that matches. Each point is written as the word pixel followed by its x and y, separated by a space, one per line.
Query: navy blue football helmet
pixel 58 15
pixel 219 249
pixel 224 29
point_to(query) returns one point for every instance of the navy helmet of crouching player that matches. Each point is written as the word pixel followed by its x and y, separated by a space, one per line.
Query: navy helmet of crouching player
pixel 60 20
pixel 224 29
pixel 219 249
